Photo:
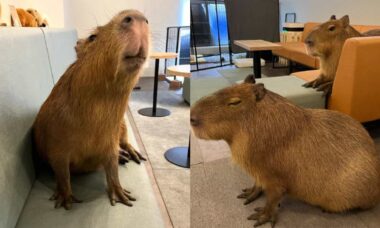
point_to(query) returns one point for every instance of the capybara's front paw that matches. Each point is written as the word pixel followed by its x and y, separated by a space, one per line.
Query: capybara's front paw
pixel 326 87
pixel 315 83
pixel 64 200
pixel 120 195
pixel 127 152
pixel 263 216
pixel 250 194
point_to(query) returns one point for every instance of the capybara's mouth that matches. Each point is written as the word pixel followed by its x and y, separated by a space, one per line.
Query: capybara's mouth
pixel 138 56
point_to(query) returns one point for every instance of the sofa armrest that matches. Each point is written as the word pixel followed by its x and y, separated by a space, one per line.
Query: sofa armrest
pixel 356 87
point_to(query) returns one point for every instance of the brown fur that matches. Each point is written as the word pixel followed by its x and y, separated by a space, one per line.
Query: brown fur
pixel 26 19
pixel 326 42
pixel 127 151
pixel 78 126
pixel 322 157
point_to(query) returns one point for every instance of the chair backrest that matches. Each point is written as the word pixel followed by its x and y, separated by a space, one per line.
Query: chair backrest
pixel 25 82
pixel 356 87
pixel 31 61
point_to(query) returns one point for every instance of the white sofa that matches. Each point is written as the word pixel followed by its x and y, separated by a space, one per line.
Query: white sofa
pixel 31 62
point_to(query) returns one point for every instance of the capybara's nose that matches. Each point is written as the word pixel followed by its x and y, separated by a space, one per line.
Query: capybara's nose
pixel 194 121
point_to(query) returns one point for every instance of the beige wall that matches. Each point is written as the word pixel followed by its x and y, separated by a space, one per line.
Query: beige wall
pixel 360 12
pixel 53 9
pixel 85 15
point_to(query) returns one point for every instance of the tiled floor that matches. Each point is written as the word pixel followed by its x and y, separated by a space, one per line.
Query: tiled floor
pixel 160 134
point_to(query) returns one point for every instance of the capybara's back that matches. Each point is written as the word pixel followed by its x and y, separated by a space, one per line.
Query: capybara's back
pixel 335 162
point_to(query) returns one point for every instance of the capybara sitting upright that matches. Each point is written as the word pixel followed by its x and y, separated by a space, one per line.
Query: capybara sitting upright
pixel 326 42
pixel 127 151
pixel 322 157
pixel 78 127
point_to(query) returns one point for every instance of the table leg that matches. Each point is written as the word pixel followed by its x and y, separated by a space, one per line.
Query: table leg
pixel 256 64
pixel 156 66
pixel 179 156
pixel 154 111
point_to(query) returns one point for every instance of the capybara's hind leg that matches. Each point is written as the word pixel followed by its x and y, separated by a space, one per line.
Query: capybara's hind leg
pixel 63 195
pixel 250 194
pixel 115 191
pixel 268 213
pixel 127 151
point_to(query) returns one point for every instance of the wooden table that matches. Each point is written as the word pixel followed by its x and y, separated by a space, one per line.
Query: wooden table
pixel 256 47
pixel 179 70
pixel 154 111
pixel 179 155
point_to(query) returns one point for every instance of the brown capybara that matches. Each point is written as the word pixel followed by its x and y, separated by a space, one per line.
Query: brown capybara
pixel 326 42
pixel 127 151
pixel 26 19
pixel 322 157
pixel 78 127
pixel 41 22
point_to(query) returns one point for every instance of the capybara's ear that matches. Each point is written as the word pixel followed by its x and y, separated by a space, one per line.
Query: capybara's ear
pixel 250 79
pixel 259 91
pixel 333 17
pixel 345 20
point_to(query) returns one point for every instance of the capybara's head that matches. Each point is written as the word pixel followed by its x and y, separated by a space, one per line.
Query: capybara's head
pixel 221 114
pixel 122 45
pixel 322 40
pixel 82 44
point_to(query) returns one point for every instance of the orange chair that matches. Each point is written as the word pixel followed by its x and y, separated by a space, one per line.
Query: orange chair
pixel 356 89
pixel 297 51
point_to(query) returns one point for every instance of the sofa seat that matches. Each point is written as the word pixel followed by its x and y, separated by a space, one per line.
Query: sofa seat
pixel 289 87
pixel 308 75
pixel 297 52
pixel 32 60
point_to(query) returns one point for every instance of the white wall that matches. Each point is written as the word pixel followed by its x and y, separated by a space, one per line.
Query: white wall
pixel 85 15
pixel 360 12
pixel 53 9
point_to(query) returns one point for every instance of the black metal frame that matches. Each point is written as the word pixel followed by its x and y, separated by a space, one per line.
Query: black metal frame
pixel 178 28
pixel 193 42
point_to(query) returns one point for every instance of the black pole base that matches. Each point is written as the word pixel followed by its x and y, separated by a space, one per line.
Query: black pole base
pixel 178 156
pixel 160 112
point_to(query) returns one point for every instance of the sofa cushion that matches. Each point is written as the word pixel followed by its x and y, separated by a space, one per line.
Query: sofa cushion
pixel 291 88
pixel 357 82
pixel 200 87
pixel 60 44
pixel 308 75
pixel 25 82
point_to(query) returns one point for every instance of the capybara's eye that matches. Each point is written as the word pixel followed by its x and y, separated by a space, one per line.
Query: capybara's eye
pixel 147 21
pixel 128 19
pixel 234 101
pixel 92 37
pixel 331 28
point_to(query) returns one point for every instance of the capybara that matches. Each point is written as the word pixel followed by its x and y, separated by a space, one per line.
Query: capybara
pixel 78 127
pixel 26 19
pixel 322 157
pixel 127 151
pixel 41 21
pixel 326 42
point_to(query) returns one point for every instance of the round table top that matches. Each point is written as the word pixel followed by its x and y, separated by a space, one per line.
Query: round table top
pixel 179 70
pixel 163 55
